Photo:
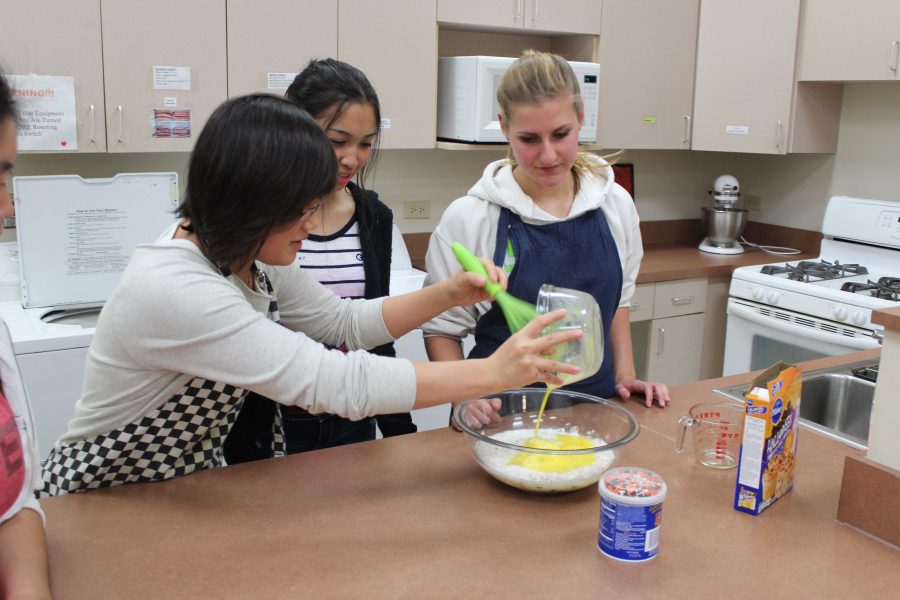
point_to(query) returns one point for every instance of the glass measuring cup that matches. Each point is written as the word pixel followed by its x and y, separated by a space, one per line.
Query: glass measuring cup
pixel 717 434
pixel 582 313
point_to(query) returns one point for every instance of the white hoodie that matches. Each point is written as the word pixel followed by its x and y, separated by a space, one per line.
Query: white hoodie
pixel 472 221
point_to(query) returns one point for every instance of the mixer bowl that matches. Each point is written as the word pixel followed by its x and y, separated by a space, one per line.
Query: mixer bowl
pixel 500 447
pixel 724 225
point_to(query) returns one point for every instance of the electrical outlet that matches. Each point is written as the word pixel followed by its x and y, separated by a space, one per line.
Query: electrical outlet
pixel 416 209
pixel 752 202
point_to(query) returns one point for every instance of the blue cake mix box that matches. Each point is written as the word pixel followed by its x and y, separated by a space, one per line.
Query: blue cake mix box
pixel 769 439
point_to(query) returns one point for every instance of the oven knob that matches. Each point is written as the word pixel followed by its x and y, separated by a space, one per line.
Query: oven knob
pixel 772 297
pixel 757 293
pixel 859 317
pixel 840 313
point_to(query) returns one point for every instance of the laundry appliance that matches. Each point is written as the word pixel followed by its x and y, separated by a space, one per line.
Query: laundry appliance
pixel 74 238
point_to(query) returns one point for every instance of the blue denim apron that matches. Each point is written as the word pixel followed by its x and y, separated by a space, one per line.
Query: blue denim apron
pixel 578 253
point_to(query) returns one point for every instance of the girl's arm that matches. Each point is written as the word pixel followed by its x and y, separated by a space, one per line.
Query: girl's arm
pixel 23 557
pixel 623 363
pixel 441 348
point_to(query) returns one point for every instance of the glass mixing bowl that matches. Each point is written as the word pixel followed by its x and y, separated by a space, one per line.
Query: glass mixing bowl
pixel 602 426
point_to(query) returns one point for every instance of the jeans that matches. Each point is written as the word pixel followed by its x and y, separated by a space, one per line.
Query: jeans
pixel 304 432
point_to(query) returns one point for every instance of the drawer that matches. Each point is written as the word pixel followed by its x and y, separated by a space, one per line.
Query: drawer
pixel 684 297
pixel 642 302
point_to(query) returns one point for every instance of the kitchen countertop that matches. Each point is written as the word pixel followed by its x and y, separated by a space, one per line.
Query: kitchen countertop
pixel 670 249
pixel 889 317
pixel 416 517
pixel 671 261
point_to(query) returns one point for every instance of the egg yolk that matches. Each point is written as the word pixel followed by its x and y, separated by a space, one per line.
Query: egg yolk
pixel 550 463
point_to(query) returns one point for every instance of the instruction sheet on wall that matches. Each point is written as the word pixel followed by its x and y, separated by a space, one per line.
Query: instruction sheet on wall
pixel 46 107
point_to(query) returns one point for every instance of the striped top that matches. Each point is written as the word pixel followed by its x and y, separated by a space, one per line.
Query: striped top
pixel 336 261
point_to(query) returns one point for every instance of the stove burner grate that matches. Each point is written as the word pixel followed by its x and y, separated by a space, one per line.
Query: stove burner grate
pixel 809 270
pixel 886 288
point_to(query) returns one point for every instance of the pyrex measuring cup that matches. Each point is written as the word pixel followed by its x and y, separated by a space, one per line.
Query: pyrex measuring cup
pixel 717 434
pixel 582 313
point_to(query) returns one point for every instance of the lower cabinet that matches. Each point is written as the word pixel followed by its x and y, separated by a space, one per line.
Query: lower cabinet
pixel 667 329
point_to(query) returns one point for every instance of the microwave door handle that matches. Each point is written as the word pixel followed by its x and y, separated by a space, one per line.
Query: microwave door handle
pixel 789 328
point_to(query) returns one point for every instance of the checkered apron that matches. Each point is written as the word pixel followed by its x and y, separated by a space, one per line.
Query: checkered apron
pixel 182 436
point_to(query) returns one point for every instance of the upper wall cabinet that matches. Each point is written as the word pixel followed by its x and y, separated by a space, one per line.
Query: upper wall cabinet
pixel 841 42
pixel 42 42
pixel 165 71
pixel 562 16
pixel 746 98
pixel 270 41
pixel 394 42
pixel 647 53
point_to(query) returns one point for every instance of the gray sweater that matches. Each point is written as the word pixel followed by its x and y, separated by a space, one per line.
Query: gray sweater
pixel 174 317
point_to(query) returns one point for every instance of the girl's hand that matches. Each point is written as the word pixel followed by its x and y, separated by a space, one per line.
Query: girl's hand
pixel 478 412
pixel 658 391
pixel 523 358
pixel 466 288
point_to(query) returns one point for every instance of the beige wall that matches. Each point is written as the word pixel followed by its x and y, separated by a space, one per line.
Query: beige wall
pixel 668 184
pixel 796 188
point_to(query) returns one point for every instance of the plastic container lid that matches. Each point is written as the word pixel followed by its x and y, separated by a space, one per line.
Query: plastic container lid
pixel 633 485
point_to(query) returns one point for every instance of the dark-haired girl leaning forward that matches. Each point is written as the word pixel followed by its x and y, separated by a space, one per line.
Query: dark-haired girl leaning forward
pixel 217 308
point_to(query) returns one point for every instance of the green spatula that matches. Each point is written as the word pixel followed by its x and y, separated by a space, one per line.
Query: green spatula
pixel 516 312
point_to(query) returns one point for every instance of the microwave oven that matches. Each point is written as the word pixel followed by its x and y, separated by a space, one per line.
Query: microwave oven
pixel 467 97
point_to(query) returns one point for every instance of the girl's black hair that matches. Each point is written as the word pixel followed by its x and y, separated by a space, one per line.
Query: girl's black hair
pixel 325 87
pixel 7 104
pixel 258 163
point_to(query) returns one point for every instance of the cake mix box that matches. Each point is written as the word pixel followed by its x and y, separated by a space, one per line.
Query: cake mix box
pixel 769 441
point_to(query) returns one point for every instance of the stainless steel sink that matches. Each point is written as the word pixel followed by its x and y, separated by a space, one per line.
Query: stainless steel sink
pixel 836 402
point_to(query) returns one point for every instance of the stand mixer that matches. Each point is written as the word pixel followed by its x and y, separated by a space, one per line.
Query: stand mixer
pixel 723 223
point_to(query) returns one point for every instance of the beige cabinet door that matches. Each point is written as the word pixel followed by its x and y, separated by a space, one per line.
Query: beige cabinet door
pixel 270 41
pixel 647 53
pixel 48 37
pixel 675 349
pixel 642 303
pixel 841 42
pixel 745 75
pixel 554 16
pixel 394 42
pixel 152 51
pixel 483 13
pixel 563 16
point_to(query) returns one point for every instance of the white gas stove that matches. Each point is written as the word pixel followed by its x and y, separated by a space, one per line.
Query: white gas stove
pixel 800 310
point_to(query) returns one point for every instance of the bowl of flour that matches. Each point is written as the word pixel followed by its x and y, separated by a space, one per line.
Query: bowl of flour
pixel 578 439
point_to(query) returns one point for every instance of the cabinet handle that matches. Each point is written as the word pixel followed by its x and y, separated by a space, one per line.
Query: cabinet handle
pixel 537 10
pixel 894 46
pixel 635 305
pixel 119 122
pixel 687 129
pixel 678 301
pixel 779 136
pixel 519 7
pixel 93 126
pixel 661 341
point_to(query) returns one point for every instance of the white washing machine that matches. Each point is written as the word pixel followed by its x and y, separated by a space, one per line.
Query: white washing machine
pixel 74 238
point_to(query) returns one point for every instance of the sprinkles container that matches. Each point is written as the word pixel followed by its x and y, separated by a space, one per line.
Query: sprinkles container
pixel 630 513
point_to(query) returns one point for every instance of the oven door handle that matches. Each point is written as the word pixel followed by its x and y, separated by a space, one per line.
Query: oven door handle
pixel 789 328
